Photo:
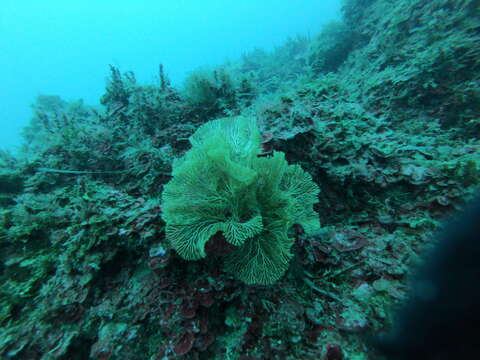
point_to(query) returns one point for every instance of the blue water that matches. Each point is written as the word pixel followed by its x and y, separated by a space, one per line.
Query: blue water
pixel 64 47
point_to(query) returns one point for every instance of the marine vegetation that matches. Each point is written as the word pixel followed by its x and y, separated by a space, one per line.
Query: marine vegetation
pixel 274 207
pixel 222 189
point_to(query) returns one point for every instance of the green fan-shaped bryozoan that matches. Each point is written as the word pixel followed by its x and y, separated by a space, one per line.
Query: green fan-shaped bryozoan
pixel 221 185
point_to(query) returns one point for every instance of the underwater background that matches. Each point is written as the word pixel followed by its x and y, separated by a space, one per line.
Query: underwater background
pixel 269 201
pixel 64 48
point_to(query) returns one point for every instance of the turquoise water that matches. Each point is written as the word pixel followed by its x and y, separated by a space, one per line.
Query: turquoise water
pixel 64 48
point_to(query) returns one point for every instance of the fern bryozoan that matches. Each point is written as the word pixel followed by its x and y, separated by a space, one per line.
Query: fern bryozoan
pixel 221 185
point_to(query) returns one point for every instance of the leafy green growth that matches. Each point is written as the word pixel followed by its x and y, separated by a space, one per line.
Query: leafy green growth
pixel 210 93
pixel 221 185
pixel 272 71
pixel 330 48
